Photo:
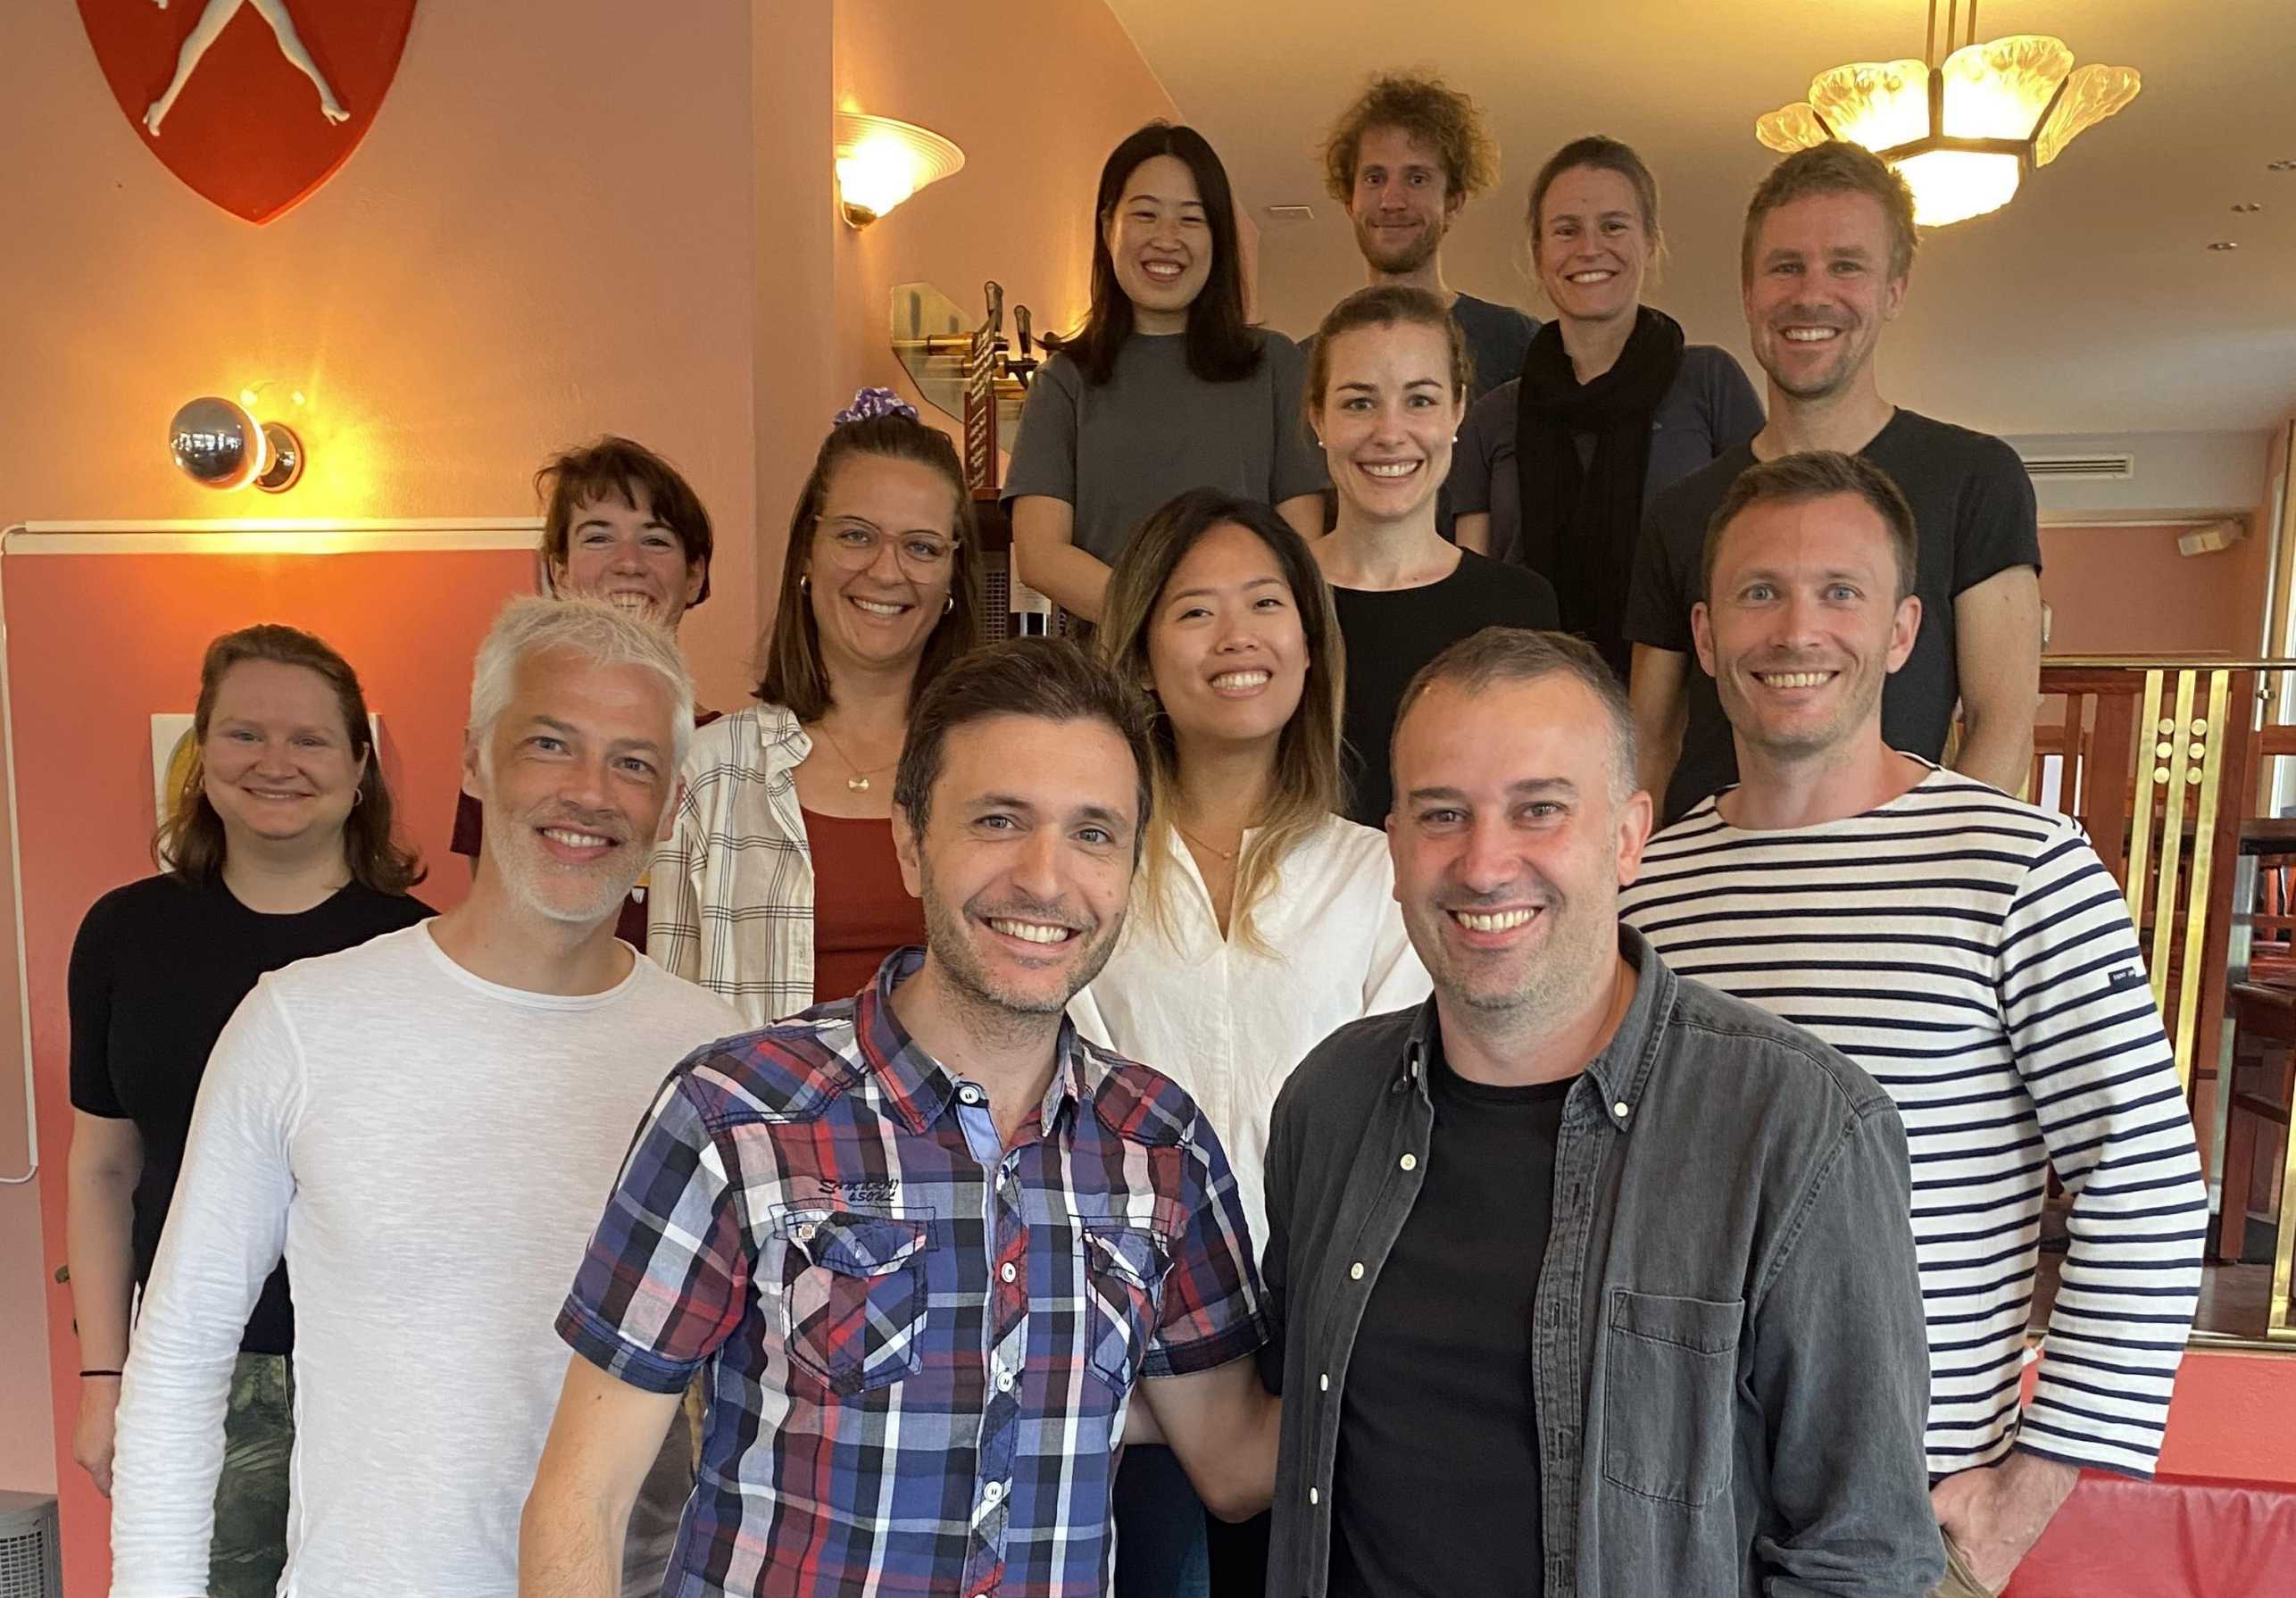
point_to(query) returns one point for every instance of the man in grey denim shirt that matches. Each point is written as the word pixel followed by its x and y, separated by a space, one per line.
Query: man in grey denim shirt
pixel 1585 1277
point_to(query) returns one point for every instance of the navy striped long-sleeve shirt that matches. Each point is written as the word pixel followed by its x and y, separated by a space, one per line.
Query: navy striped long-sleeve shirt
pixel 1973 954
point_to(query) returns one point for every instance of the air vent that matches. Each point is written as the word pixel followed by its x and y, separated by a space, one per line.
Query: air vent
pixel 2080 469
pixel 1290 213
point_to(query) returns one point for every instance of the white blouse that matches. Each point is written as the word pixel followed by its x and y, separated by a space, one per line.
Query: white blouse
pixel 1229 1024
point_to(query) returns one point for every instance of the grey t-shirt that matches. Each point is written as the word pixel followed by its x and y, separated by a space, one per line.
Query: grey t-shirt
pixel 1498 336
pixel 1118 450
pixel 1710 407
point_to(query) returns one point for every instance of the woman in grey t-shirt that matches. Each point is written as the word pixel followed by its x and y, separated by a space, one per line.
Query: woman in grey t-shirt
pixel 1166 388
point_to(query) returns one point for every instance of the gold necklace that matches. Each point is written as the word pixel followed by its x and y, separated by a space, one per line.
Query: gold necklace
pixel 858 783
pixel 1227 856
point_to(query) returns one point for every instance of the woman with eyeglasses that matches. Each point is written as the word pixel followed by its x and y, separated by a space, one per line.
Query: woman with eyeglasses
pixel 778 889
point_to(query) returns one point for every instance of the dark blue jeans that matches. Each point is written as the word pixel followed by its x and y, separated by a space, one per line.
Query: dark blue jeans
pixel 1160 1529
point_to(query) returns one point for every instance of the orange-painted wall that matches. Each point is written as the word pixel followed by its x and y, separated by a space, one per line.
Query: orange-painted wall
pixel 2121 589
pixel 82 697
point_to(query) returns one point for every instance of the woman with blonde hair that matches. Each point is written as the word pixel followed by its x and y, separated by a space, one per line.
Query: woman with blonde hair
pixel 278 847
pixel 777 888
pixel 1261 921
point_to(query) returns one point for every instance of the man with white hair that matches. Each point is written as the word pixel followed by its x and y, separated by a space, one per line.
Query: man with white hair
pixel 424 1126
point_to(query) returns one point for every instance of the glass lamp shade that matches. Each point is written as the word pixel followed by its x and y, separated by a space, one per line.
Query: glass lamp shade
pixel 1952 186
pixel 1877 104
pixel 881 162
pixel 1998 89
pixel 2091 94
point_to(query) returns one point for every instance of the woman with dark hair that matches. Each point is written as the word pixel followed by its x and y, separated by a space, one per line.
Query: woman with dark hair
pixel 1166 388
pixel 777 888
pixel 1386 389
pixel 278 847
pixel 1554 467
pixel 1261 921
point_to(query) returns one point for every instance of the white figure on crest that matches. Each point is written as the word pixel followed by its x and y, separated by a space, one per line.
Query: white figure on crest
pixel 206 32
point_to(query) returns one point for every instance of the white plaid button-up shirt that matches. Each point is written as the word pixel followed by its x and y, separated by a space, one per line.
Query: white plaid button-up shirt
pixel 731 901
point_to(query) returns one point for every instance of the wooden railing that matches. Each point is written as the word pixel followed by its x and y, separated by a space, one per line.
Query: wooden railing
pixel 2159 761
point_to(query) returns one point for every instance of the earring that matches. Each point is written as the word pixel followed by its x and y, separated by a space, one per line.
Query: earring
pixel 357 794
pixel 948 605
pixel 805 577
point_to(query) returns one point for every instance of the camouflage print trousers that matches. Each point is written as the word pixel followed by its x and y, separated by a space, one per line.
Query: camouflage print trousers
pixel 251 1497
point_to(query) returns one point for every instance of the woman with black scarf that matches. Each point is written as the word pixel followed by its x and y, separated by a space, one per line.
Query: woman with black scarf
pixel 1553 468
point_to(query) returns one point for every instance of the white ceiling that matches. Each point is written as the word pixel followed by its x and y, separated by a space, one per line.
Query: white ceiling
pixel 2088 305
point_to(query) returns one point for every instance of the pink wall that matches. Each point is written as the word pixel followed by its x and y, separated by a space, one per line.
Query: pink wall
pixel 2118 589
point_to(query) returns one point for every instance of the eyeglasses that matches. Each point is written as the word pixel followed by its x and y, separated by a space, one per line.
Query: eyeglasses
pixel 854 545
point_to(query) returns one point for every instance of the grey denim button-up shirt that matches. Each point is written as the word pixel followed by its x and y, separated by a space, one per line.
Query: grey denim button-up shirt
pixel 1727 1352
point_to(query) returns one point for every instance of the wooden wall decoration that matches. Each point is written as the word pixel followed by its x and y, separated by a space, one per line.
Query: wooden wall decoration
pixel 254 104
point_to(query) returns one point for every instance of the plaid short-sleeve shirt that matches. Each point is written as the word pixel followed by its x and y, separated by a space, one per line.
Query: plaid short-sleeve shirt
pixel 920 1345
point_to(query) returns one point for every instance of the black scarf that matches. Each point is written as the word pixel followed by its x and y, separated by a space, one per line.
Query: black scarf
pixel 1580 521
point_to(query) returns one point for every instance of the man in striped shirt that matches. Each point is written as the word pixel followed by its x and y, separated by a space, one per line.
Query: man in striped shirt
pixel 1974 956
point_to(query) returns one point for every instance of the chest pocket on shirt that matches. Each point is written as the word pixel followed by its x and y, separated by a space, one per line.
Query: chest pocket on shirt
pixel 1124 1271
pixel 1669 1393
pixel 854 1297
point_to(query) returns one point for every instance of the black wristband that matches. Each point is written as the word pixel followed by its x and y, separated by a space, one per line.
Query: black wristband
pixel 86 1373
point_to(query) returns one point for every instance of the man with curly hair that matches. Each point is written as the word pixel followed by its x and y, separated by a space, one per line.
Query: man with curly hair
pixel 1403 159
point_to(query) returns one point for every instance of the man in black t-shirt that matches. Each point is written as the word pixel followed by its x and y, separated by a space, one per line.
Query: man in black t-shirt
pixel 1558 1261
pixel 1828 251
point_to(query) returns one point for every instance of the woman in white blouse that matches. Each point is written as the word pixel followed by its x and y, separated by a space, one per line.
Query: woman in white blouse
pixel 777 888
pixel 1262 921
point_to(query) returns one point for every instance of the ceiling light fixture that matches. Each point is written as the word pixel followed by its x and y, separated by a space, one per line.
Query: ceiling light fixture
pixel 1963 133
pixel 2225 244
pixel 881 162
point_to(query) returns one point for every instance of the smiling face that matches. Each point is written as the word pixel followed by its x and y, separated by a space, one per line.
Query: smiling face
pixel 1025 863
pixel 1402 203
pixel 1227 656
pixel 1821 291
pixel 882 560
pixel 1593 244
pixel 1801 625
pixel 1388 417
pixel 619 551
pixel 1508 848
pixel 576 775
pixel 277 764
pixel 1160 242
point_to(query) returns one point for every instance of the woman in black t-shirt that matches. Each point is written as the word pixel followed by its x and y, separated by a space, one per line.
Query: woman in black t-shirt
pixel 278 848
pixel 1386 392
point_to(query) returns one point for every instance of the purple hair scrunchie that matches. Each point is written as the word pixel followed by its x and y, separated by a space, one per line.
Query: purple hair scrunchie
pixel 875 402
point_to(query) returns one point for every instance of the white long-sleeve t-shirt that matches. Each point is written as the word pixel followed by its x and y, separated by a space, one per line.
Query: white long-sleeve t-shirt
pixel 431 1151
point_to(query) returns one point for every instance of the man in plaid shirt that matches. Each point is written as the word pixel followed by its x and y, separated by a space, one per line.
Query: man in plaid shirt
pixel 922 1243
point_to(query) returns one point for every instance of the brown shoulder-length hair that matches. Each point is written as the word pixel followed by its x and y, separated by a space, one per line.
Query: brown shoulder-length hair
pixel 190 842
pixel 1305 787
pixel 1223 347
pixel 794 675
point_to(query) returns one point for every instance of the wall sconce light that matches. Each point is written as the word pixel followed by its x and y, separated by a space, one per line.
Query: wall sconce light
pixel 881 162
pixel 219 444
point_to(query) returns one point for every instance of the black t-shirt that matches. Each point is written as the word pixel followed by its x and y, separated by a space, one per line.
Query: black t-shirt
pixel 1439 1385
pixel 156 970
pixel 1392 633
pixel 1972 506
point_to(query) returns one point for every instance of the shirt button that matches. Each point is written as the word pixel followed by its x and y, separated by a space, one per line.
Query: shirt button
pixel 1411 1162
pixel 1355 1271
pixel 1314 1497
pixel 970 1095
pixel 1323 1382
pixel 1005 1381
pixel 1007 1272
pixel 993 1495
pixel 1619 1110
pixel 806 1231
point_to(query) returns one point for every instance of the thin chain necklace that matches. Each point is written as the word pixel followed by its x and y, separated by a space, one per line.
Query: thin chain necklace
pixel 858 783
pixel 1228 856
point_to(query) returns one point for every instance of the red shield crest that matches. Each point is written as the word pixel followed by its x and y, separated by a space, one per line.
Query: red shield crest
pixel 255 103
